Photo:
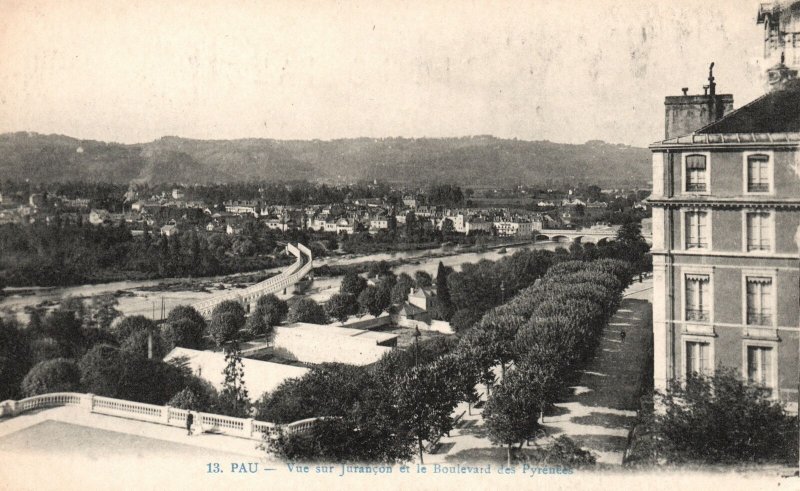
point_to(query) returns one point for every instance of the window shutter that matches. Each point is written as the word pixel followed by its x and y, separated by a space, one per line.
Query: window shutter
pixel 696 162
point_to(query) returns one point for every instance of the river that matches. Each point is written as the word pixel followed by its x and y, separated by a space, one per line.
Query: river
pixel 135 299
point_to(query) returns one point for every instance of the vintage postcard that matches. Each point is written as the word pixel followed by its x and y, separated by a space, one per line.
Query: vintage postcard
pixel 447 244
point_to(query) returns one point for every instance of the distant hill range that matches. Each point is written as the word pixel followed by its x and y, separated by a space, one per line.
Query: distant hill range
pixel 477 161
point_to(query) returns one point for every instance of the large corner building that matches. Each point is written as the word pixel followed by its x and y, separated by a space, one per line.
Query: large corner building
pixel 726 221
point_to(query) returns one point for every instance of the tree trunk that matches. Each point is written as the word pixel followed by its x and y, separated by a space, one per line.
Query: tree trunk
pixel 503 370
pixel 469 408
pixel 419 441
pixel 509 455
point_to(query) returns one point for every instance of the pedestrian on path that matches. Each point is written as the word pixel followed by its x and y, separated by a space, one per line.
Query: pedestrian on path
pixel 189 421
pixel 622 335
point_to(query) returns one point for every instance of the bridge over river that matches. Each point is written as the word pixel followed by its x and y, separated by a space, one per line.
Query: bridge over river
pixel 250 295
pixel 594 235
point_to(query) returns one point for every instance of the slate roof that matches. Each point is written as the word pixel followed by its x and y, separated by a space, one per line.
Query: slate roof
pixel 773 118
pixel 774 112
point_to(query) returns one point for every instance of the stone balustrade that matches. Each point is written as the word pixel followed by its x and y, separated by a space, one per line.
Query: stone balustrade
pixel 150 413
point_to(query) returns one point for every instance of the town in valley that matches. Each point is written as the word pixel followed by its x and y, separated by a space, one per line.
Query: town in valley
pixel 319 301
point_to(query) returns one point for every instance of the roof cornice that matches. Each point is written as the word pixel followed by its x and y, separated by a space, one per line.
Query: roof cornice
pixel 732 140
pixel 741 202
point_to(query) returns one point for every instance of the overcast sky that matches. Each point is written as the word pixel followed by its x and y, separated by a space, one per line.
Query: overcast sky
pixel 566 71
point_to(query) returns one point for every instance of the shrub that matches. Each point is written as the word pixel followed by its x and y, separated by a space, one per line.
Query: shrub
pixel 57 375
pixel 720 419
pixel 101 369
pixel 185 399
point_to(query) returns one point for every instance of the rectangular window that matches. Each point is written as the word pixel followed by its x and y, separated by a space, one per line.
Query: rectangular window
pixel 696 173
pixel 697 230
pixel 697 358
pixel 759 366
pixel 759 231
pixel 758 174
pixel 697 298
pixel 759 301
pixel 795 48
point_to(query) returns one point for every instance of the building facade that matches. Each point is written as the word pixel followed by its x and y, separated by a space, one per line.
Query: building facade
pixel 513 228
pixel 726 226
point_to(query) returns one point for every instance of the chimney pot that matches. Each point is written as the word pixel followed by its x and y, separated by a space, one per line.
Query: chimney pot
pixel 685 90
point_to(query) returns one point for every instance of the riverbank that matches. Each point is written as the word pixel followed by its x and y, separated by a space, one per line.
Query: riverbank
pixel 147 297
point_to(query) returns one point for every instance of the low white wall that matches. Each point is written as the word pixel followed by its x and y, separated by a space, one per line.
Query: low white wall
pixel 149 413
pixel 439 326
pixel 333 349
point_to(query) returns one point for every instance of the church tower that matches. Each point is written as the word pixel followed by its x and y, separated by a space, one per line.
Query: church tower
pixel 781 22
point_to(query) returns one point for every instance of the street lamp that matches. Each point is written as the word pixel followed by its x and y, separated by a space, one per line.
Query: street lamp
pixel 417 335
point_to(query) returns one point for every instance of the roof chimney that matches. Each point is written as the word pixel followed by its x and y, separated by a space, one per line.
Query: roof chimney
pixel 712 86
pixel 687 113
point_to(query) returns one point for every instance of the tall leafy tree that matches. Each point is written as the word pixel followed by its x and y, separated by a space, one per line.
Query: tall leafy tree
pixel 227 319
pixel 401 289
pixel 234 399
pixel 269 312
pixel 183 333
pixel 189 314
pixel 129 325
pixel 352 283
pixel 145 344
pixel 442 290
pixel 426 402
pixel 15 358
pixel 422 279
pixel 57 375
pixel 273 308
pixel 372 301
pixel 341 306
pixel 65 327
pixel 721 419
pixel 511 413
pixel 101 370
pixel 307 310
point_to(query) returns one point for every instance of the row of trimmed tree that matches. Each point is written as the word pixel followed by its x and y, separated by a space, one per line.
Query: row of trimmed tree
pixel 546 332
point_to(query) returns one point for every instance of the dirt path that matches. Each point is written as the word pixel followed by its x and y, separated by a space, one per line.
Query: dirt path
pixel 602 408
